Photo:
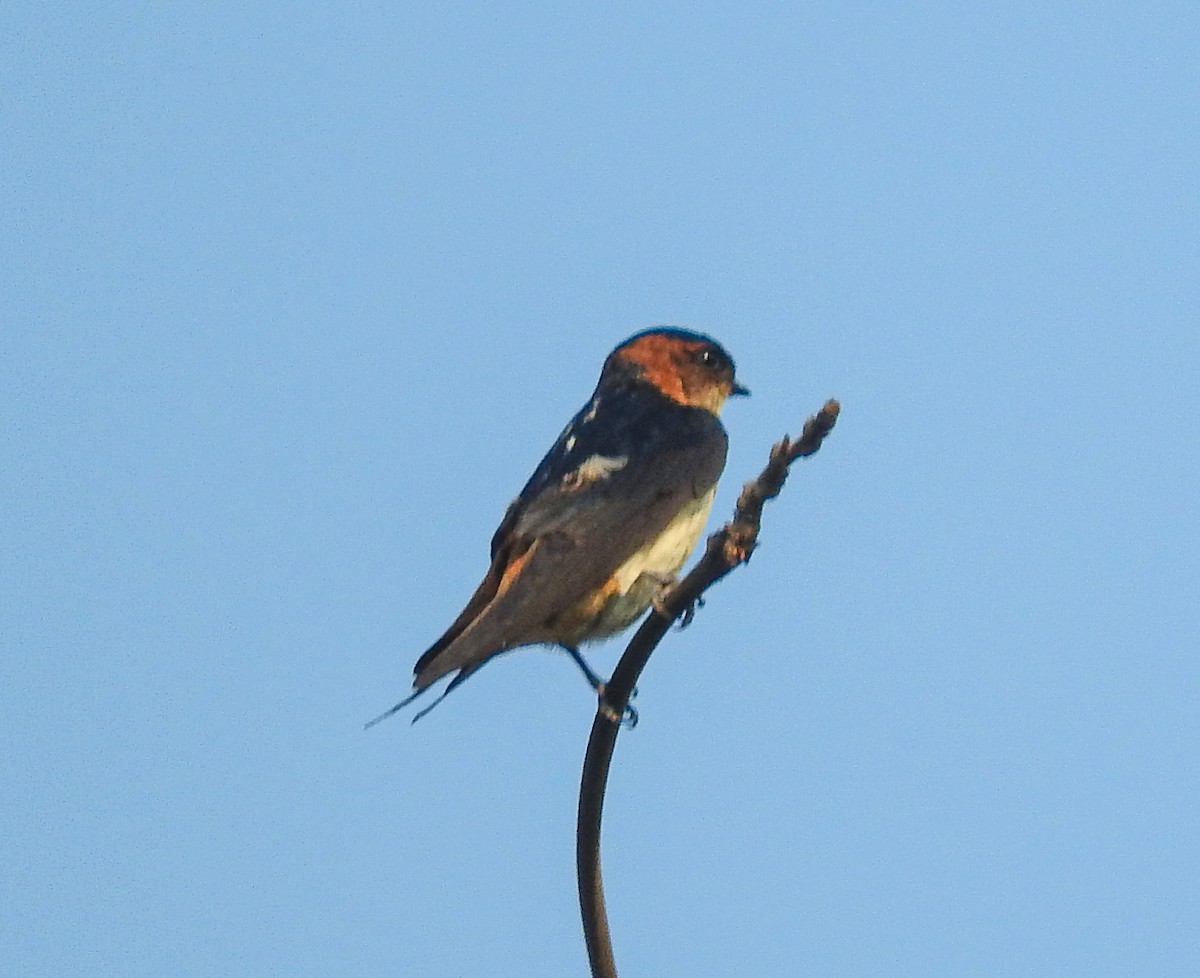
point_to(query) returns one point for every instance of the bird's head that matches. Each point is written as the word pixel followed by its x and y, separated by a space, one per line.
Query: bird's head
pixel 688 367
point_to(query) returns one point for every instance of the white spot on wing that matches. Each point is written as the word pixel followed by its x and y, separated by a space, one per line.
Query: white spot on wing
pixel 601 466
pixel 570 442
pixel 594 468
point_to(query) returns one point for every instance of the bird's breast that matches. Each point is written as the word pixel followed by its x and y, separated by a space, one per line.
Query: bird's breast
pixel 634 584
pixel 666 553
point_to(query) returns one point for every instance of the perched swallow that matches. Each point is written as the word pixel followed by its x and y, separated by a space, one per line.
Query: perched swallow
pixel 609 516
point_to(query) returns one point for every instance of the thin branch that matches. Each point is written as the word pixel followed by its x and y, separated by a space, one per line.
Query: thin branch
pixel 726 549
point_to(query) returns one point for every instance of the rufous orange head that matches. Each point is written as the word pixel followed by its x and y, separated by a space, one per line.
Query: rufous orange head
pixel 690 368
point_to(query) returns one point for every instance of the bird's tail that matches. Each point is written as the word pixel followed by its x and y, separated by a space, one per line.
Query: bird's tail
pixel 456 681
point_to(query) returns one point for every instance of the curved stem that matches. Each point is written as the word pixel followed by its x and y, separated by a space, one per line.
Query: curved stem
pixel 726 549
pixel 596 763
pixel 587 847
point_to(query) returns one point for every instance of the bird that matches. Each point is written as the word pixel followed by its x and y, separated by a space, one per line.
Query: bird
pixel 608 517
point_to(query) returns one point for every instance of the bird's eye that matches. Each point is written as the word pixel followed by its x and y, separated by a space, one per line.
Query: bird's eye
pixel 705 356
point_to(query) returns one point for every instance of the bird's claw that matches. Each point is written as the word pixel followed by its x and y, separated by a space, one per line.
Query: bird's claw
pixel 658 601
pixel 665 582
pixel 627 718
pixel 689 613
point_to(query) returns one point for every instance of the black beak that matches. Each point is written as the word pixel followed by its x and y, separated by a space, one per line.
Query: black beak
pixel 739 391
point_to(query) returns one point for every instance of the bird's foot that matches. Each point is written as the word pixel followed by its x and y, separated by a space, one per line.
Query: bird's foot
pixel 659 602
pixel 627 717
pixel 689 613
pixel 662 587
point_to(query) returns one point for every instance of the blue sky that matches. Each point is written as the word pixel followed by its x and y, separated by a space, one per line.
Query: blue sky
pixel 295 297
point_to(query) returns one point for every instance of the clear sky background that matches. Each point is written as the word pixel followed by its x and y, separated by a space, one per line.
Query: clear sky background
pixel 296 295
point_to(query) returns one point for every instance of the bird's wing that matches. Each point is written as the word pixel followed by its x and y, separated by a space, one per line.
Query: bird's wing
pixel 579 518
